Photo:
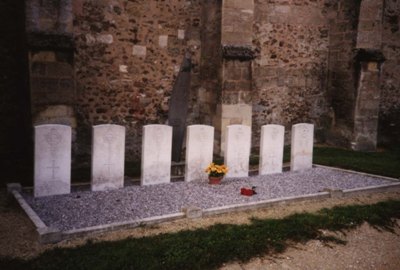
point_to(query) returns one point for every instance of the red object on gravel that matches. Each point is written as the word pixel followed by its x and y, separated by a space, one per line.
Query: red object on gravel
pixel 248 191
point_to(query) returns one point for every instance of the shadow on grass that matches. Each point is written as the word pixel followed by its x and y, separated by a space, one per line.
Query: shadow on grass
pixel 209 248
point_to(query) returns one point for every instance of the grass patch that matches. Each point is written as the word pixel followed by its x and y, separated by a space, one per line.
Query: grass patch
pixel 382 163
pixel 211 247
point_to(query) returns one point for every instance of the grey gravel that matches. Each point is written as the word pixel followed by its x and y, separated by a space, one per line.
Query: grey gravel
pixel 82 209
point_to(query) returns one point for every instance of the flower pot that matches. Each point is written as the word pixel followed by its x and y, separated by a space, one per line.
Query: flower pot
pixel 215 180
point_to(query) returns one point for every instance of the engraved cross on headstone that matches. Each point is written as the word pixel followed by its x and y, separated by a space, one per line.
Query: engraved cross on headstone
pixel 108 138
pixel 272 158
pixel 53 167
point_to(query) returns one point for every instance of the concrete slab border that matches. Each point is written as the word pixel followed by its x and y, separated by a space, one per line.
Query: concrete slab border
pixel 50 235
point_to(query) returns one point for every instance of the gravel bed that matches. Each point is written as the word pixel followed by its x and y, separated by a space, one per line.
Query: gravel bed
pixel 82 209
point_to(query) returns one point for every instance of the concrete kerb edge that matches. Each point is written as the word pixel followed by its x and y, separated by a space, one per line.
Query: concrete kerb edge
pixel 50 235
pixel 372 189
pixel 359 173
pixel 120 225
pixel 45 234
pixel 262 204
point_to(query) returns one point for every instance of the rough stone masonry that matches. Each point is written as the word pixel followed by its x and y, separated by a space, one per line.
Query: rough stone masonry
pixel 254 62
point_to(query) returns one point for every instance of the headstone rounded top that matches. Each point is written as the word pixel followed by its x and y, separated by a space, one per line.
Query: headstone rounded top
pixel 157 126
pixel 108 125
pixel 51 125
pixel 303 124
pixel 201 126
pixel 273 125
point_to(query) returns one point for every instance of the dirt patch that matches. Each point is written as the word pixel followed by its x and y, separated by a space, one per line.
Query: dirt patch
pixel 367 248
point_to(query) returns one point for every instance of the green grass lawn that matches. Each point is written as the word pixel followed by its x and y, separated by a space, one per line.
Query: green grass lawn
pixel 209 248
pixel 385 163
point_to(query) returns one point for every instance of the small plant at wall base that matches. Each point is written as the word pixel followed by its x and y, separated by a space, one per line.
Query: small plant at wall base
pixel 216 172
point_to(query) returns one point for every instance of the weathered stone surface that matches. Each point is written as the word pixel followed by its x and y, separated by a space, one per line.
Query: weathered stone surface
pixel 108 157
pixel 302 145
pixel 367 108
pixel 241 53
pixel 178 107
pixel 141 95
pixel 163 41
pixel 52 160
pixel 271 149
pixel 199 151
pixel 192 212
pixel 237 153
pixel 139 50
pixel 156 154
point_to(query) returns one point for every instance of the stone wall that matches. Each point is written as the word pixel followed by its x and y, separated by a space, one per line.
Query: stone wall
pixel 389 116
pixel 343 77
pixel 290 72
pixel 128 54
pixel 255 62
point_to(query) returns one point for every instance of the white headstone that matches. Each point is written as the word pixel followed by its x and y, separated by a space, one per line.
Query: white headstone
pixel 271 149
pixel 108 157
pixel 237 150
pixel 199 151
pixel 52 174
pixel 302 147
pixel 156 154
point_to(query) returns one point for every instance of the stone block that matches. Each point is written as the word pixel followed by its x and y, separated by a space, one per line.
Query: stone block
pixel 123 68
pixel 156 154
pixel 13 186
pixel 199 151
pixel 105 39
pixel 49 235
pixel 192 212
pixel 52 159
pixel 139 50
pixel 108 157
pixel 237 150
pixel 181 34
pixel 302 147
pixel 271 149
pixel 163 41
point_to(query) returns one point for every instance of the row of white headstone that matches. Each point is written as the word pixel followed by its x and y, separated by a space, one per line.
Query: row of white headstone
pixel 53 154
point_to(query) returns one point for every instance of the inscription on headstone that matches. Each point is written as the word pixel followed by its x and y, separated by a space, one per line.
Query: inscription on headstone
pixel 302 147
pixel 199 151
pixel 271 149
pixel 156 154
pixel 108 157
pixel 237 151
pixel 52 167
